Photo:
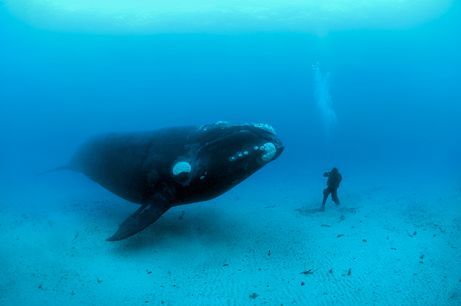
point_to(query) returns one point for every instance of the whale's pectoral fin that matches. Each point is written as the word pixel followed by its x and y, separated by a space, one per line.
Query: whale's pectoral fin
pixel 142 218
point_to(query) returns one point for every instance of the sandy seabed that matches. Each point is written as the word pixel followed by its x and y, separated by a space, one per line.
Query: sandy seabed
pixel 262 243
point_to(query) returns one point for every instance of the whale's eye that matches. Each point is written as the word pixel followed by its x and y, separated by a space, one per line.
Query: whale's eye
pixel 181 167
pixel 269 150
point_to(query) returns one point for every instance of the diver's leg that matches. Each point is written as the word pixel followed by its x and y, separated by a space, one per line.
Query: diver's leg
pixel 334 196
pixel 326 192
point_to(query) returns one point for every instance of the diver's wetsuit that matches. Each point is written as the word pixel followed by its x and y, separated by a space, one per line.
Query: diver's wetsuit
pixel 334 179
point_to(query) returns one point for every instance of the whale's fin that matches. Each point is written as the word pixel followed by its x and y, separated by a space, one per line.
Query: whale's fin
pixel 142 218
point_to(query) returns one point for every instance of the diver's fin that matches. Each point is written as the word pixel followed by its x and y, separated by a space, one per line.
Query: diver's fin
pixel 142 218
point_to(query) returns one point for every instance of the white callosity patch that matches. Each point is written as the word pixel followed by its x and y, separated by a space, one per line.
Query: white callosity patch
pixel 222 124
pixel 215 16
pixel 265 126
pixel 181 167
pixel 219 124
pixel 240 155
pixel 269 151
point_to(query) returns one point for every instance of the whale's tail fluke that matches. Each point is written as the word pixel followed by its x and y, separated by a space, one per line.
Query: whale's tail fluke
pixel 56 169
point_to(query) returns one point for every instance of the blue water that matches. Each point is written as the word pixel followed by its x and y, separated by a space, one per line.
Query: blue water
pixel 394 91
pixel 377 103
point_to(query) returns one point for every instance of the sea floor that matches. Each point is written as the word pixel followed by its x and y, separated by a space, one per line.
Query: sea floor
pixel 263 243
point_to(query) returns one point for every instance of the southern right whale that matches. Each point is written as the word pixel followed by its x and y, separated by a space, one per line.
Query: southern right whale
pixel 174 166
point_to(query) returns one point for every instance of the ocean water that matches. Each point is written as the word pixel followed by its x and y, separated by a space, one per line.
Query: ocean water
pixel 375 93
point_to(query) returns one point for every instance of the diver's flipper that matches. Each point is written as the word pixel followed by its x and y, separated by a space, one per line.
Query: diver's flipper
pixel 142 218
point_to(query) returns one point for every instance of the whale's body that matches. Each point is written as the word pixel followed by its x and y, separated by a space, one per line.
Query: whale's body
pixel 174 166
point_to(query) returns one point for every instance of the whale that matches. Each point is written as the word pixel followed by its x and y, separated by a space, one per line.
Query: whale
pixel 174 166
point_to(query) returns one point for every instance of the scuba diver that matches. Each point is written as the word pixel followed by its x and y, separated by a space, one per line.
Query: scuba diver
pixel 334 179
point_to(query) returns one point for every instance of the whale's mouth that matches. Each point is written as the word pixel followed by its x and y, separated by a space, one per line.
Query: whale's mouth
pixel 245 143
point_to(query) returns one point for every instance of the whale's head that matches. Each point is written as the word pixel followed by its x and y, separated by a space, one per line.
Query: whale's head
pixel 226 155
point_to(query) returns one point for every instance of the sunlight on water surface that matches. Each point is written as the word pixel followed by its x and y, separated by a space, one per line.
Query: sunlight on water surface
pixel 147 16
